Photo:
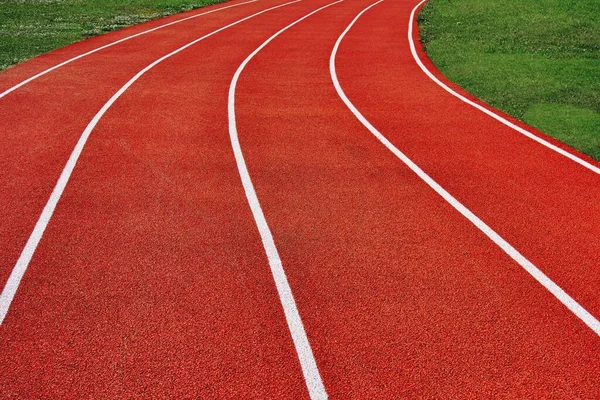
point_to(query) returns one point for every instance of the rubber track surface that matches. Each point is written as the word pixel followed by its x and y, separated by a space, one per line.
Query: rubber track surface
pixel 151 280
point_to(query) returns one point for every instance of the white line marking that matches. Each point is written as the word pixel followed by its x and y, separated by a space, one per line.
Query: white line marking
pixel 552 287
pixel 489 112
pixel 308 364
pixel 26 81
pixel 10 289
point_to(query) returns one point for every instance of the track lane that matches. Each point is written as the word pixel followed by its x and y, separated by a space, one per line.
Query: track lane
pixel 12 284
pixel 400 295
pixel 151 280
pixel 42 121
pixel 308 364
pixel 542 203
pixel 513 253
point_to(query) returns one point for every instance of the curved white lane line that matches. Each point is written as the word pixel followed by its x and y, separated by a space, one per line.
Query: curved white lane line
pixel 10 289
pixel 308 364
pixel 34 77
pixel 552 287
pixel 487 111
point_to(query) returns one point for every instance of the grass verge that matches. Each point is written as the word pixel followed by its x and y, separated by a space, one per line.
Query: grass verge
pixel 537 60
pixel 32 27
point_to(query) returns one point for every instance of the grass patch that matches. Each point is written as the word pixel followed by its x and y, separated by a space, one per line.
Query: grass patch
pixel 537 60
pixel 32 27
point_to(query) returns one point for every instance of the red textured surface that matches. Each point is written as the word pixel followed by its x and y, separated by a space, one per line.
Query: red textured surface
pixel 151 280
pixel 544 204
pixel 400 294
pixel 42 121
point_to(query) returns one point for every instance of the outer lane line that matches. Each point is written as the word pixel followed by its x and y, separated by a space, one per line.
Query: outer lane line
pixel 14 280
pixel 535 272
pixel 34 77
pixel 485 110
pixel 308 364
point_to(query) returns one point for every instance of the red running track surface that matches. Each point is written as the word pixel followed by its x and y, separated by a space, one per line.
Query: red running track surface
pixel 151 280
pixel 42 121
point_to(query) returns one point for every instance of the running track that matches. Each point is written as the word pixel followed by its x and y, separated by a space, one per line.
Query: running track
pixel 289 207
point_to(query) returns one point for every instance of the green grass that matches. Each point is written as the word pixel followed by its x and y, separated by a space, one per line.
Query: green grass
pixel 537 60
pixel 32 27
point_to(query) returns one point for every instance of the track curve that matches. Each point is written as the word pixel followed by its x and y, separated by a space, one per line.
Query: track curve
pixel 151 279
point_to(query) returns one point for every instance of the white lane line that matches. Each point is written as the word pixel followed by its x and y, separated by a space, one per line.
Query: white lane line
pixel 485 110
pixel 62 64
pixel 308 364
pixel 552 287
pixel 10 289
